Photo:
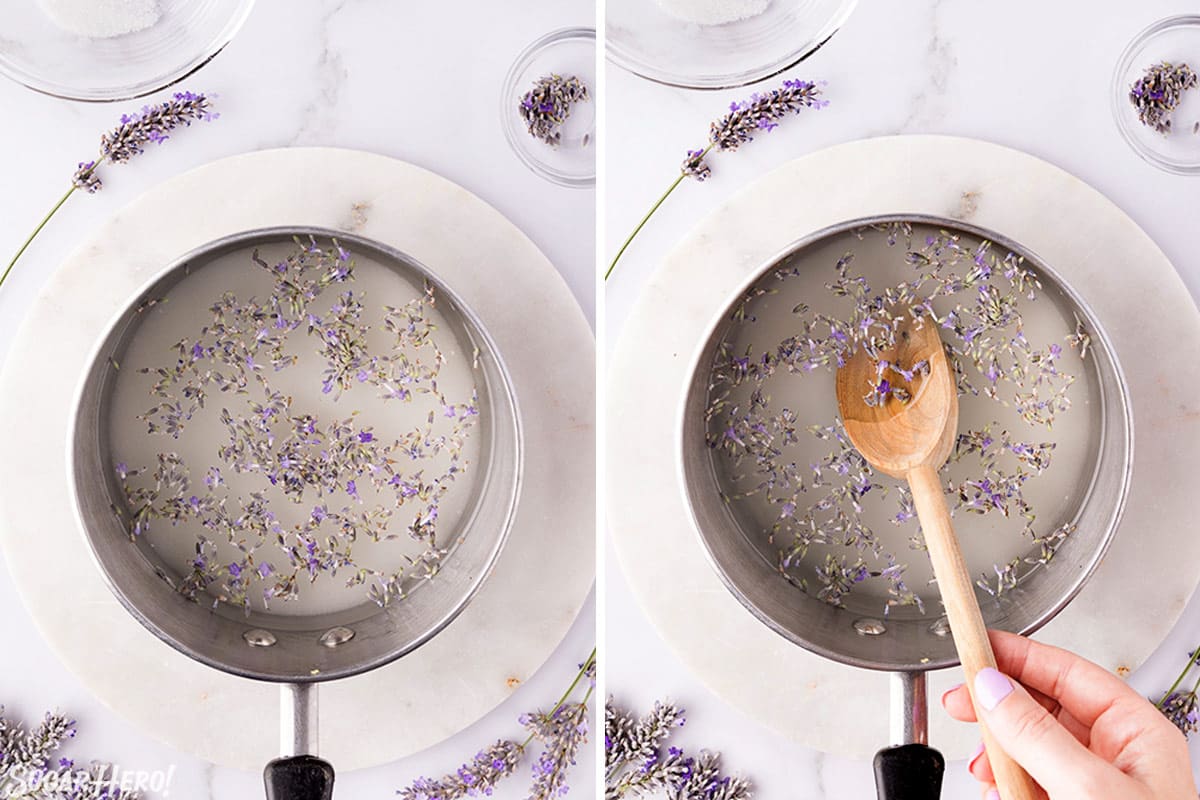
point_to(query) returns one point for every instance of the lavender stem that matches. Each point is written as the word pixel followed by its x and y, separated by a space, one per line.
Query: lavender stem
pixel 36 231
pixel 642 224
pixel 1195 657
pixel 578 677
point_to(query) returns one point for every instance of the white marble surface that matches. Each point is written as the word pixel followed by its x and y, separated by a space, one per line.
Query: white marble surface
pixel 929 67
pixel 368 75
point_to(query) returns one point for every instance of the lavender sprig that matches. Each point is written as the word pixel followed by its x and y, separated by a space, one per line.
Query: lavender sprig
pixel 635 765
pixel 1183 707
pixel 122 143
pixel 562 731
pixel 480 776
pixel 747 119
pixel 26 769
pixel 744 121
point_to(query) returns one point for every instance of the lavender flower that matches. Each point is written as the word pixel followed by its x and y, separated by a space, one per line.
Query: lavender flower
pixel 479 777
pixel 704 781
pixel 561 731
pixel 1183 709
pixel 744 121
pixel 635 765
pixel 26 769
pixel 151 124
pixel 1180 706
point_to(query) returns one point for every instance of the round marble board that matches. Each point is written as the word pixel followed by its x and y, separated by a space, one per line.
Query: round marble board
pixel 513 624
pixel 1134 598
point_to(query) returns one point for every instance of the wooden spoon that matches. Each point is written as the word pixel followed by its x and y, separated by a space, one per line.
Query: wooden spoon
pixel 911 440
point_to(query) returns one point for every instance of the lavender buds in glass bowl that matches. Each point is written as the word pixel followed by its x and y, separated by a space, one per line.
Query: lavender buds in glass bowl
pixel 547 109
pixel 548 104
pixel 1154 99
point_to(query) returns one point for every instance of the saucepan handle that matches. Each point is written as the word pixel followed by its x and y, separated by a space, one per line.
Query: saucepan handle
pixel 299 778
pixel 911 770
pixel 300 775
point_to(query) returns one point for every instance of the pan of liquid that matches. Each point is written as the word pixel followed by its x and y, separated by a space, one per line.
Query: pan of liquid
pixel 827 552
pixel 296 456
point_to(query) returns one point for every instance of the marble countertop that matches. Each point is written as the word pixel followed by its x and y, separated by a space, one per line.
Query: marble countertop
pixel 1034 77
pixel 348 73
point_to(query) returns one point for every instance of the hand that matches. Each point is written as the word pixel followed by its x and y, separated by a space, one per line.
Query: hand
pixel 1076 728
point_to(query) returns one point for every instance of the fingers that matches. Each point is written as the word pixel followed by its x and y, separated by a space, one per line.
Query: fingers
pixel 980 767
pixel 957 703
pixel 1084 689
pixel 1031 735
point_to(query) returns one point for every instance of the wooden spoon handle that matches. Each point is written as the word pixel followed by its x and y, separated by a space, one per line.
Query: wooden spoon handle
pixel 966 622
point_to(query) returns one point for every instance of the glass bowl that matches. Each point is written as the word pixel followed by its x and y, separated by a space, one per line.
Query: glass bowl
pixel 684 43
pixel 567 52
pixel 42 48
pixel 1176 40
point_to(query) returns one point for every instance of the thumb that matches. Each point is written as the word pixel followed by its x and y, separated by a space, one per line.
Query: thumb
pixel 1029 734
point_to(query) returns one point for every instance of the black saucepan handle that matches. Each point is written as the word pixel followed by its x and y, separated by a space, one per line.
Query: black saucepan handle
pixel 299 778
pixel 909 772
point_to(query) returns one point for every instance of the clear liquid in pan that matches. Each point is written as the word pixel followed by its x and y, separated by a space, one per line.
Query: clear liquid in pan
pixel 987 540
pixel 184 314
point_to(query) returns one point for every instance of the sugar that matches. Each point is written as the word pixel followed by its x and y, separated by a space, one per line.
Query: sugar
pixel 101 19
pixel 714 12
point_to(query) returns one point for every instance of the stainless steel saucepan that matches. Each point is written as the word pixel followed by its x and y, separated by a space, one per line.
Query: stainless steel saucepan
pixel 297 652
pixel 906 645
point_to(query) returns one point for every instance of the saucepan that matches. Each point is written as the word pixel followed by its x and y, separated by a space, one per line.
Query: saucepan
pixel 297 651
pixel 908 645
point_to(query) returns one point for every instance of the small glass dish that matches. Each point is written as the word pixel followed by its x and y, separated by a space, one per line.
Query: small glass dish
pixel 46 55
pixel 572 162
pixel 1175 40
pixel 688 45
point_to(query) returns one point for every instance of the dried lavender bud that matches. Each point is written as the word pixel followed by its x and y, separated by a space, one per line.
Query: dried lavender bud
pixel 694 165
pixel 547 105
pixel 1156 94
pixel 745 120
pixel 151 124
pixel 85 177
pixel 479 777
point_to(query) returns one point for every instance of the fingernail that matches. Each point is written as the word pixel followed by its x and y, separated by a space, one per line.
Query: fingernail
pixel 991 686
pixel 974 757
pixel 993 794
pixel 950 691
